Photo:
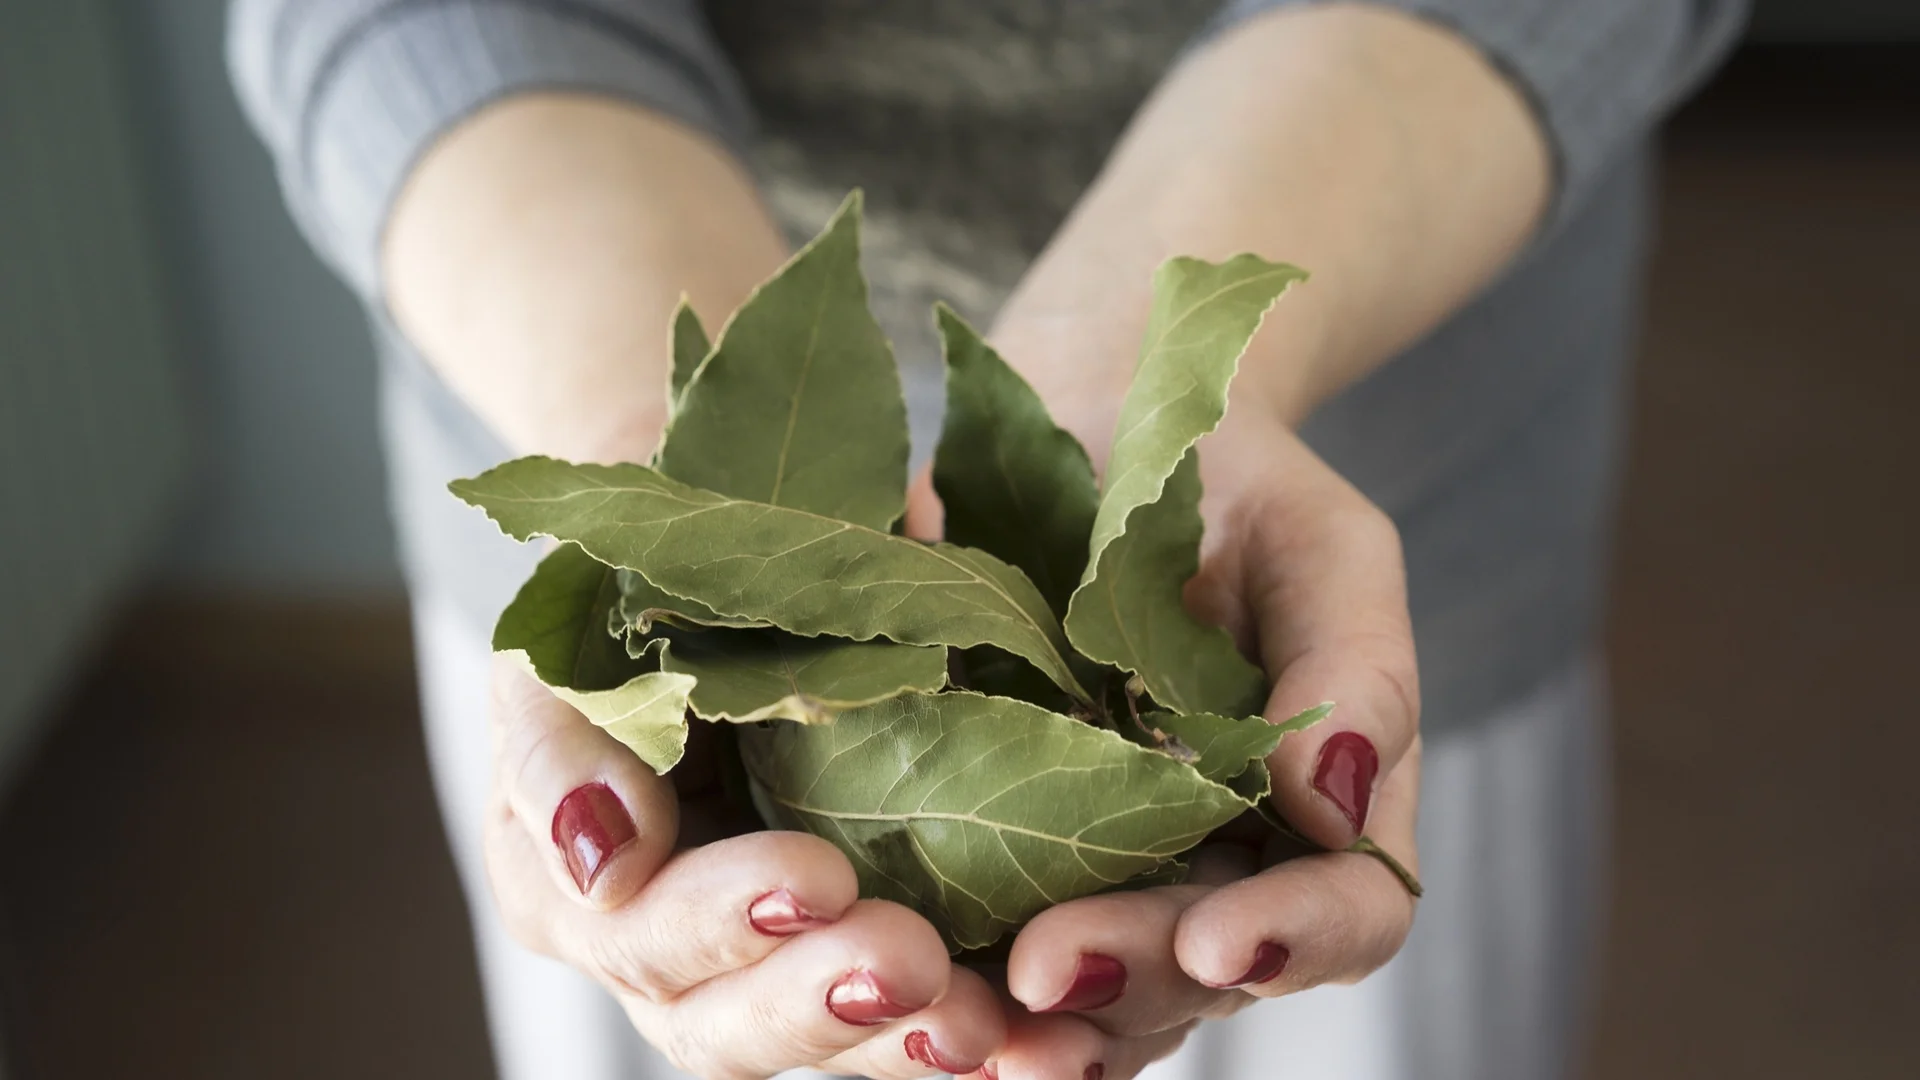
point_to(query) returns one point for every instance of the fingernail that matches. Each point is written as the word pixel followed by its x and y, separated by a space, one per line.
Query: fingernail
pixel 858 999
pixel 1348 764
pixel 990 1071
pixel 1269 960
pixel 778 914
pixel 1094 1071
pixel 1098 981
pixel 921 1049
pixel 589 828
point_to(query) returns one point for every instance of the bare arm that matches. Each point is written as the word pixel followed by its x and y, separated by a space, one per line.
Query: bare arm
pixel 1377 150
pixel 537 252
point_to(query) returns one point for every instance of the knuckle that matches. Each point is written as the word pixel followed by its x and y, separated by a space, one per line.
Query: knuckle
pixel 613 959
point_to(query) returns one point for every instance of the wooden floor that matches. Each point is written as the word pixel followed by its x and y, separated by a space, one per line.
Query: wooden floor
pixel 245 879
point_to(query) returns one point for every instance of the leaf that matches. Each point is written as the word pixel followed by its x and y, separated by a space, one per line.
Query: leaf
pixel 799 404
pixel 1013 483
pixel 556 627
pixel 802 572
pixel 1131 613
pixel 749 675
pixel 1127 610
pixel 642 604
pixel 980 812
pixel 689 347
pixel 1223 746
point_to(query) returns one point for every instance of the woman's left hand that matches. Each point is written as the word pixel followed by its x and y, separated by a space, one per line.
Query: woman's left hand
pixel 1307 574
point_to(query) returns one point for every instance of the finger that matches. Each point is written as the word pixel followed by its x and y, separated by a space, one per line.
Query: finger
pixel 1327 587
pixel 709 911
pixel 957 1035
pixel 1111 958
pixel 1335 917
pixel 604 820
pixel 926 517
pixel 817 996
pixel 1063 1046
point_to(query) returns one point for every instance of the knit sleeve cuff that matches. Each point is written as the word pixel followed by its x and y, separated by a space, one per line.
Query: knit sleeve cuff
pixel 389 86
pixel 1598 76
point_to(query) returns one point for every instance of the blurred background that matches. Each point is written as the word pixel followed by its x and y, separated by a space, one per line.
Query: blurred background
pixel 219 855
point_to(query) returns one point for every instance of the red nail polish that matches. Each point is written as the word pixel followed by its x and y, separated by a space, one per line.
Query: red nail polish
pixel 589 827
pixel 1348 764
pixel 990 1071
pixel 1269 960
pixel 1098 981
pixel 859 999
pixel 921 1049
pixel 1095 1071
pixel 778 914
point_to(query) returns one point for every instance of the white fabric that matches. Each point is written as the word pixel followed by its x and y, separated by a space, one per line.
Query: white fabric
pixel 1491 986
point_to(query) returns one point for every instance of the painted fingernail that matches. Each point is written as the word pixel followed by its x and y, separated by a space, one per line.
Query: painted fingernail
pixel 1269 960
pixel 990 1071
pixel 589 828
pixel 859 999
pixel 1095 1071
pixel 921 1049
pixel 778 914
pixel 1348 764
pixel 1098 981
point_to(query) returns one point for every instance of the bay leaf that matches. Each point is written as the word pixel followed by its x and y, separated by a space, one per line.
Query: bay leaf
pixel 1013 483
pixel 981 812
pixel 799 403
pixel 556 627
pixel 800 571
pixel 1224 746
pixel 1127 610
pixel 642 604
pixel 749 675
pixel 1132 615
pixel 688 346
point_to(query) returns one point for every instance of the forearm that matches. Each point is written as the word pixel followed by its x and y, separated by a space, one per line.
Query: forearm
pixel 537 251
pixel 1382 153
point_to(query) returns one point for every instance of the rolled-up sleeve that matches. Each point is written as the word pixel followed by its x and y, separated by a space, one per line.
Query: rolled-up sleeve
pixel 1599 74
pixel 347 94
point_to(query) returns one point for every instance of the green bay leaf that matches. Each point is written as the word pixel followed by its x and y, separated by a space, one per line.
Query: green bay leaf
pixel 799 571
pixel 1013 483
pixel 556 627
pixel 1223 747
pixel 642 604
pixel 1127 609
pixel 799 403
pixel 748 675
pixel 1131 614
pixel 981 812
pixel 688 347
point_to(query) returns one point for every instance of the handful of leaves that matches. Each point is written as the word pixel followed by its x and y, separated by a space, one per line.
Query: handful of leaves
pixel 1016 717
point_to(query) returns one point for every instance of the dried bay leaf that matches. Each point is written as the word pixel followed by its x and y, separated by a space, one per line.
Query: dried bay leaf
pixel 1131 613
pixel 1013 483
pixel 981 812
pixel 748 675
pixel 642 604
pixel 799 402
pixel 1127 609
pixel 556 628
pixel 688 346
pixel 799 571
pixel 1223 746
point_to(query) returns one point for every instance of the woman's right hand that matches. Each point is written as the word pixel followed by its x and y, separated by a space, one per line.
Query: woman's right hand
pixel 740 956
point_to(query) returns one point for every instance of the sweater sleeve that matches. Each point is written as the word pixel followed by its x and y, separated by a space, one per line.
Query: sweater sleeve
pixel 1599 74
pixel 347 94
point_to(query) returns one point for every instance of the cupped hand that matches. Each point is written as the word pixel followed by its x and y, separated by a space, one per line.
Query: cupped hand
pixel 1308 576
pixel 737 954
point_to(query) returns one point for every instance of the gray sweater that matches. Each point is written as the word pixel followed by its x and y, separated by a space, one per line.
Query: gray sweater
pixel 973 125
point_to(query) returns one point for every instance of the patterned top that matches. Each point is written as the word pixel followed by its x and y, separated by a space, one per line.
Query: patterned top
pixel 974 125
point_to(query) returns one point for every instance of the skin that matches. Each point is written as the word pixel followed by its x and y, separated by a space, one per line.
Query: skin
pixel 535 257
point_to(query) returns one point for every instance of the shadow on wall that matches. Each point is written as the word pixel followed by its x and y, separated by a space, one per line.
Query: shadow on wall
pixel 287 498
